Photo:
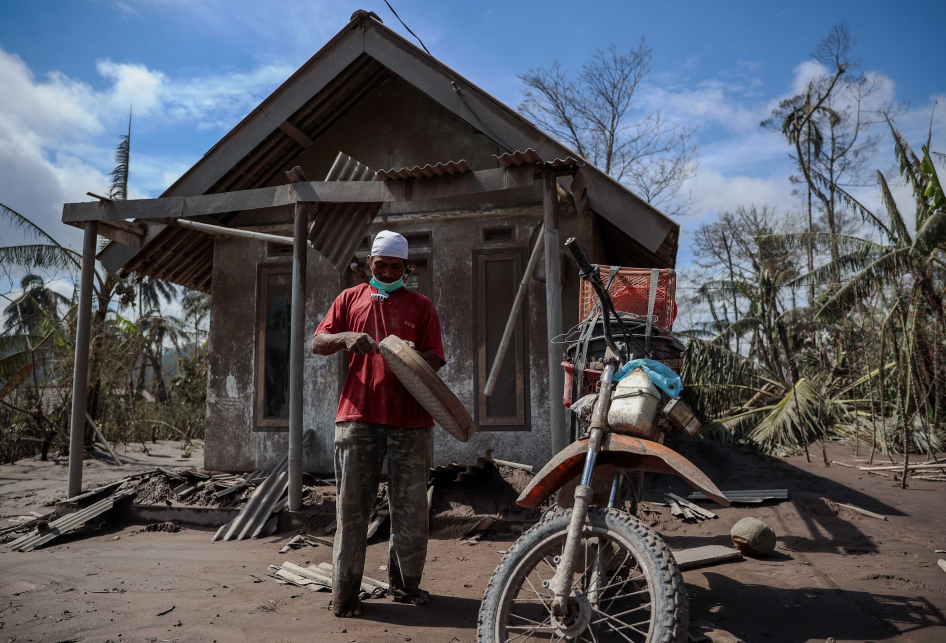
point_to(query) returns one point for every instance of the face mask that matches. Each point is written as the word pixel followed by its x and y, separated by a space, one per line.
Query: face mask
pixel 385 286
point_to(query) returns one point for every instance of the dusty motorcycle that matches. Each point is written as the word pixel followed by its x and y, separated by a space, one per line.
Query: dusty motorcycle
pixel 595 572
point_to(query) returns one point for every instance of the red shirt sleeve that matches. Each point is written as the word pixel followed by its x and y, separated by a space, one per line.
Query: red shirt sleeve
pixel 429 336
pixel 336 320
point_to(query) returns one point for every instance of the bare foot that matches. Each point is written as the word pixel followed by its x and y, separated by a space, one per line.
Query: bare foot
pixel 352 610
pixel 417 597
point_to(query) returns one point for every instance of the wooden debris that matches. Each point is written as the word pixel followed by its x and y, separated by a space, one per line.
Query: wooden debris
pixel 101 438
pixel 515 465
pixel 686 504
pixel 842 464
pixel 899 467
pixel 862 511
pixel 706 555
pixel 942 564
pixel 675 509
pixel 167 611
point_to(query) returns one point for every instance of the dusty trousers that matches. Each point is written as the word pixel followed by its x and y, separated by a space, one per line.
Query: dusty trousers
pixel 360 449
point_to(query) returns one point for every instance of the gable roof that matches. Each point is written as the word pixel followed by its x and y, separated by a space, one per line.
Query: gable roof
pixel 360 57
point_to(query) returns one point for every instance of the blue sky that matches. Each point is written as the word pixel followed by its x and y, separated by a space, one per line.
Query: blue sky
pixel 70 69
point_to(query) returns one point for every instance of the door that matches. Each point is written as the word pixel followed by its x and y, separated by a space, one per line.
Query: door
pixel 496 279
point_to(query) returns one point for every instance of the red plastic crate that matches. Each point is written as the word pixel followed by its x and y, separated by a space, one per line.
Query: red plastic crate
pixel 588 385
pixel 629 292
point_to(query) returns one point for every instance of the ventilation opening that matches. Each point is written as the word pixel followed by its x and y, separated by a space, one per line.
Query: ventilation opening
pixel 278 250
pixel 418 239
pixel 492 235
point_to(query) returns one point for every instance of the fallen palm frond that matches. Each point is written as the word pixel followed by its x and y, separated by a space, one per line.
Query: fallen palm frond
pixel 796 420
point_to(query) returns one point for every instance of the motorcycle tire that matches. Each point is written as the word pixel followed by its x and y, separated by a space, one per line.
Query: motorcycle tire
pixel 669 608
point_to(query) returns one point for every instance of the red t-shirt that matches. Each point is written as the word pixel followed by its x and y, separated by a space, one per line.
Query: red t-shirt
pixel 372 392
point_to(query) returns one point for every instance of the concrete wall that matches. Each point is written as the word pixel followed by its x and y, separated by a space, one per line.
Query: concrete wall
pixel 395 126
pixel 233 444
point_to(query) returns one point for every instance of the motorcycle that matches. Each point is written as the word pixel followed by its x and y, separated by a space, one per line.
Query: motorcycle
pixel 594 572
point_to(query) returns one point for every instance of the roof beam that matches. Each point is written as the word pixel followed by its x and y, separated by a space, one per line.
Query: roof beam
pixel 437 187
pixel 296 134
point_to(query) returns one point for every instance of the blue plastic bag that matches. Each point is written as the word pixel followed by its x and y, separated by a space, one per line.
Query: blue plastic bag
pixel 661 375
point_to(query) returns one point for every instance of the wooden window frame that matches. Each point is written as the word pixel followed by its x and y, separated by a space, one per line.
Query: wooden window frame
pixel 261 424
pixel 521 335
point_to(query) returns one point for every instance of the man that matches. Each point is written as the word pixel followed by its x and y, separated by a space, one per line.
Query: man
pixel 378 418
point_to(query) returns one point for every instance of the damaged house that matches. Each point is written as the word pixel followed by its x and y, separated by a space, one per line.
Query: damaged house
pixel 370 106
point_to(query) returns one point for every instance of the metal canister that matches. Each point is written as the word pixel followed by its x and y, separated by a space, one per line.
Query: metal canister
pixel 682 417
pixel 634 406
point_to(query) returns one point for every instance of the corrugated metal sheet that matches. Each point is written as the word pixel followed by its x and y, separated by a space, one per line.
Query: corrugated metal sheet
pixel 64 525
pixel 417 172
pixel 338 228
pixel 185 257
pixel 254 517
pixel 458 472
pixel 747 496
pixel 531 156
pixel 274 153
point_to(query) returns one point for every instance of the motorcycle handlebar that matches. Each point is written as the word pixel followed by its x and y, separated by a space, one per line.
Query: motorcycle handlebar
pixel 584 266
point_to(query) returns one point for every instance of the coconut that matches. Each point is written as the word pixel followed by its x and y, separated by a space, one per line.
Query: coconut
pixel 753 537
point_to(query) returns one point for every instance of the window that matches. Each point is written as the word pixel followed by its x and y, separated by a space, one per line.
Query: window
pixel 496 279
pixel 419 280
pixel 274 299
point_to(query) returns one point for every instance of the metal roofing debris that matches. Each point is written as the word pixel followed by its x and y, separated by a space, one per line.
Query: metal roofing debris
pixel 67 523
pixel 255 518
pixel 531 156
pixel 458 472
pixel 747 496
pixel 417 172
pixel 338 228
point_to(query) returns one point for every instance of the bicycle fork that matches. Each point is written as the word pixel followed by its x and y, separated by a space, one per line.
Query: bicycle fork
pixel 561 583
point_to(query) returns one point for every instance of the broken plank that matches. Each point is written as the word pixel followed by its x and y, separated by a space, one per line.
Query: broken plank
pixel 706 555
pixel 515 465
pixel 863 511
pixel 675 509
pixel 706 513
pixel 898 467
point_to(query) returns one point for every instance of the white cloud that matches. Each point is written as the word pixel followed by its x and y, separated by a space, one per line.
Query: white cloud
pixel 57 134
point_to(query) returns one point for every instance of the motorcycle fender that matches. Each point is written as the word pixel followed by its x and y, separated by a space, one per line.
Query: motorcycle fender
pixel 621 451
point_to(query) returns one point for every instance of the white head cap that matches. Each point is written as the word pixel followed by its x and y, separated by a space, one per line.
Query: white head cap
pixel 389 244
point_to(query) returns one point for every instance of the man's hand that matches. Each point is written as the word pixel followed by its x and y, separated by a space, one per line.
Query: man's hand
pixel 359 343
pixel 433 361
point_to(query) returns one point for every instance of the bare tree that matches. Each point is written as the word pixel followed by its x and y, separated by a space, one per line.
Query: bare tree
pixel 595 114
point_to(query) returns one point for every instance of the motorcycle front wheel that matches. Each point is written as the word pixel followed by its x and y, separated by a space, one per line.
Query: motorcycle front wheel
pixel 626 586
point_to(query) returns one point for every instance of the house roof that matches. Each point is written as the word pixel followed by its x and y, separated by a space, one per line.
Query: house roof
pixel 358 59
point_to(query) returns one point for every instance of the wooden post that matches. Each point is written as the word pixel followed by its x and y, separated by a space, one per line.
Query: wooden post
pixel 80 374
pixel 297 354
pixel 553 311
